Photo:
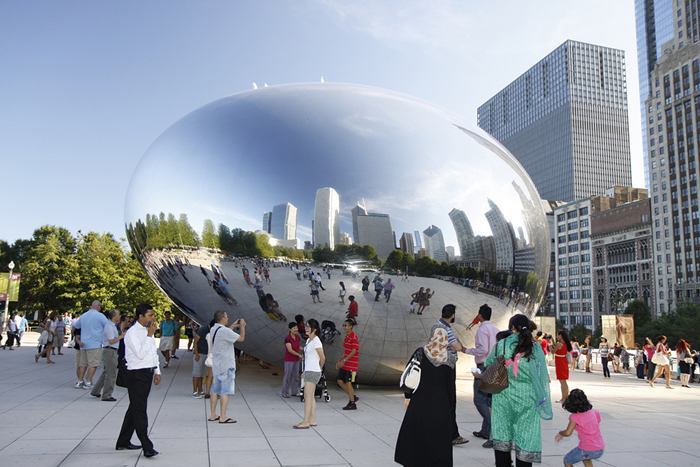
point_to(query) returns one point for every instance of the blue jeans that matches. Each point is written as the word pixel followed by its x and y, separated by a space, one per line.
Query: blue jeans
pixel 577 455
pixel 482 402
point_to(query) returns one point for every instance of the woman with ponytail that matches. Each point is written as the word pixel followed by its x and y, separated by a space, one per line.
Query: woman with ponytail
pixel 517 410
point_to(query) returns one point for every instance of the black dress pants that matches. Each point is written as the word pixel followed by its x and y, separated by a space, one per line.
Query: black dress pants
pixel 503 459
pixel 136 418
pixel 452 395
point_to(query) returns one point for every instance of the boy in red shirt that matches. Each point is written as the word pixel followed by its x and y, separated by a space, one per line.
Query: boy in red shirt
pixel 347 366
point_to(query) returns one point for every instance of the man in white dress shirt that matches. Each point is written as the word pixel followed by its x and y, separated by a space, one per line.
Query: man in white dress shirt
pixel 485 340
pixel 141 355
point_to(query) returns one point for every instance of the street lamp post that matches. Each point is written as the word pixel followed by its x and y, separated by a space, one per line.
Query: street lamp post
pixel 7 295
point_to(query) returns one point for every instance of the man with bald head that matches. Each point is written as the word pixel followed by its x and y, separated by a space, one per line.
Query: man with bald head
pixel 91 324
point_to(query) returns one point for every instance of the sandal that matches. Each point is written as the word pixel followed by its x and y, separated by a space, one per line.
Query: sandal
pixel 228 420
pixel 213 419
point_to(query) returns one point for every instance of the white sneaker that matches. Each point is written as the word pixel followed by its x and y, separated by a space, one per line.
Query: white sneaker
pixel 197 395
pixel 87 385
pixel 79 385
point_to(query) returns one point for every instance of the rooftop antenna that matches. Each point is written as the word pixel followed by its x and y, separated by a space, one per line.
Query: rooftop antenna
pixel 255 85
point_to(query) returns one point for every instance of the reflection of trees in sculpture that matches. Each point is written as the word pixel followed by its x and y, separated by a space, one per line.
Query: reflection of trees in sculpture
pixel 344 252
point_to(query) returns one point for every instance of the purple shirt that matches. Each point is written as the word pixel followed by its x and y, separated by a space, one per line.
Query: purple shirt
pixel 485 341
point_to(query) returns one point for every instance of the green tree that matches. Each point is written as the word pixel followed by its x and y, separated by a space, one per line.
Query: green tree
pixel 209 237
pixel 395 259
pixel 640 311
pixel 187 235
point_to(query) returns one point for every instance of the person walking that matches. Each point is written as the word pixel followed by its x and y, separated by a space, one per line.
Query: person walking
pixel 378 287
pixel 639 359
pixel 176 337
pixel 604 352
pixel 561 364
pixel 313 285
pixel 91 324
pixel 314 359
pixel 575 352
pixel 587 351
pixel 485 340
pixel 585 420
pixel 517 411
pixel 190 330
pixel 662 362
pixel 341 292
pixel 60 331
pixel 353 308
pixel 201 374
pixel 426 434
pixel 46 341
pixel 616 357
pixel 167 333
pixel 22 327
pixel 424 300
pixel 365 283
pixel 224 363
pixel 292 362
pixel 110 358
pixel 12 332
pixel 685 360
pixel 649 349
pixel 348 365
pixel 388 287
pixel 142 370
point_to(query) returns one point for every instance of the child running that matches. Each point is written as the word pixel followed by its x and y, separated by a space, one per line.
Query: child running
pixel 586 421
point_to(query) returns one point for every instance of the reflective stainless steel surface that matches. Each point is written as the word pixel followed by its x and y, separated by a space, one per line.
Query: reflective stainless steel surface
pixel 334 164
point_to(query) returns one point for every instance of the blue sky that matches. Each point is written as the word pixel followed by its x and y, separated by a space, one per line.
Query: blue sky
pixel 87 86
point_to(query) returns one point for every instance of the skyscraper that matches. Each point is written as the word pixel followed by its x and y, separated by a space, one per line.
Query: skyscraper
pixel 463 230
pixel 358 210
pixel 418 241
pixel 654 36
pixel 267 217
pixel 450 250
pixel 673 117
pixel 326 226
pixel 283 224
pixel 434 243
pixel 375 230
pixel 565 120
pixel 406 243
pixel 503 237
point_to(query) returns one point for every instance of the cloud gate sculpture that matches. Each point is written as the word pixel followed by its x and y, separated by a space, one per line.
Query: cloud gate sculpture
pixel 256 201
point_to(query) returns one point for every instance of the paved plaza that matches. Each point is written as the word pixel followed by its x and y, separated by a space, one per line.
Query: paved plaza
pixel 46 422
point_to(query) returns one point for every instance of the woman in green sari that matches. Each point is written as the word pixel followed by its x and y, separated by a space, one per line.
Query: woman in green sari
pixel 517 410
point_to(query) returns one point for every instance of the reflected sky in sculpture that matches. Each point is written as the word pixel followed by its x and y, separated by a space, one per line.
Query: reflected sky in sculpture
pixel 234 159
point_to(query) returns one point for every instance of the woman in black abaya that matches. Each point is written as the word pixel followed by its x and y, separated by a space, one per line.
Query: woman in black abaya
pixel 425 438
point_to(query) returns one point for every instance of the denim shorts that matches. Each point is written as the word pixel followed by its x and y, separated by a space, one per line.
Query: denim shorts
pixel 577 455
pixel 225 386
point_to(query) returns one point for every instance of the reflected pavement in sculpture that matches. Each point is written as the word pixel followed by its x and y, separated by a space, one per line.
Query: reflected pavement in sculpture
pixel 252 203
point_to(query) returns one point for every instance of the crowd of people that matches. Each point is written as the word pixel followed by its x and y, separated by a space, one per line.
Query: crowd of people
pixel 511 410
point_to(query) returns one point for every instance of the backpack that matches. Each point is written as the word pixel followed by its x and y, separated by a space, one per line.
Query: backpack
pixel 410 378
pixel 328 332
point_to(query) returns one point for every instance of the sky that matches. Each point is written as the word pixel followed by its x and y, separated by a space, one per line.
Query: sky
pixel 86 87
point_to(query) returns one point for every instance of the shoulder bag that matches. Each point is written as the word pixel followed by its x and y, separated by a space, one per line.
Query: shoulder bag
pixel 494 379
pixel 659 359
pixel 410 378
pixel 210 354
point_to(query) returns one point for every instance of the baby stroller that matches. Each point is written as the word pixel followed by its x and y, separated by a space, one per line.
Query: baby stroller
pixel 321 388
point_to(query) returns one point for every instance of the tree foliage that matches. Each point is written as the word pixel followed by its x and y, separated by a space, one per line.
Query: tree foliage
pixel 61 272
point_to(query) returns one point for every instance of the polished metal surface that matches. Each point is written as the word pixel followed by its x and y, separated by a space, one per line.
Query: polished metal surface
pixel 331 164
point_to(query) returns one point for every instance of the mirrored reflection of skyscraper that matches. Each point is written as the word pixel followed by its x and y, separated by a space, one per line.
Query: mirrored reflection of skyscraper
pixel 406 243
pixel 463 230
pixel 375 230
pixel 283 224
pixel 434 243
pixel 326 226
pixel 503 237
pixel 418 241
pixel 358 210
pixel 267 217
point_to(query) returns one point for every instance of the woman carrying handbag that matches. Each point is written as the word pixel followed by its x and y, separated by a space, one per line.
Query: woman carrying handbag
pixel 662 362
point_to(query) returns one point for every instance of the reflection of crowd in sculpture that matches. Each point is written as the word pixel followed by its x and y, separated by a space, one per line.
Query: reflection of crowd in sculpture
pixel 514 296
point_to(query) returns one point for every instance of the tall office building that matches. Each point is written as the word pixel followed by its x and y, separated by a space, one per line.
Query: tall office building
pixel 655 35
pixel 375 230
pixel 406 243
pixel 463 230
pixel 450 250
pixel 266 223
pixel 503 237
pixel 565 120
pixel 673 119
pixel 358 210
pixel 326 225
pixel 418 240
pixel 434 244
pixel 283 224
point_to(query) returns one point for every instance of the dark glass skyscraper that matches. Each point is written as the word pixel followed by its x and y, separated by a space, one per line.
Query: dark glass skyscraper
pixel 565 119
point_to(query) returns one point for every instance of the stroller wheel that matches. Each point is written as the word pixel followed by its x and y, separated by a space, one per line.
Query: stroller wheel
pixel 327 397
